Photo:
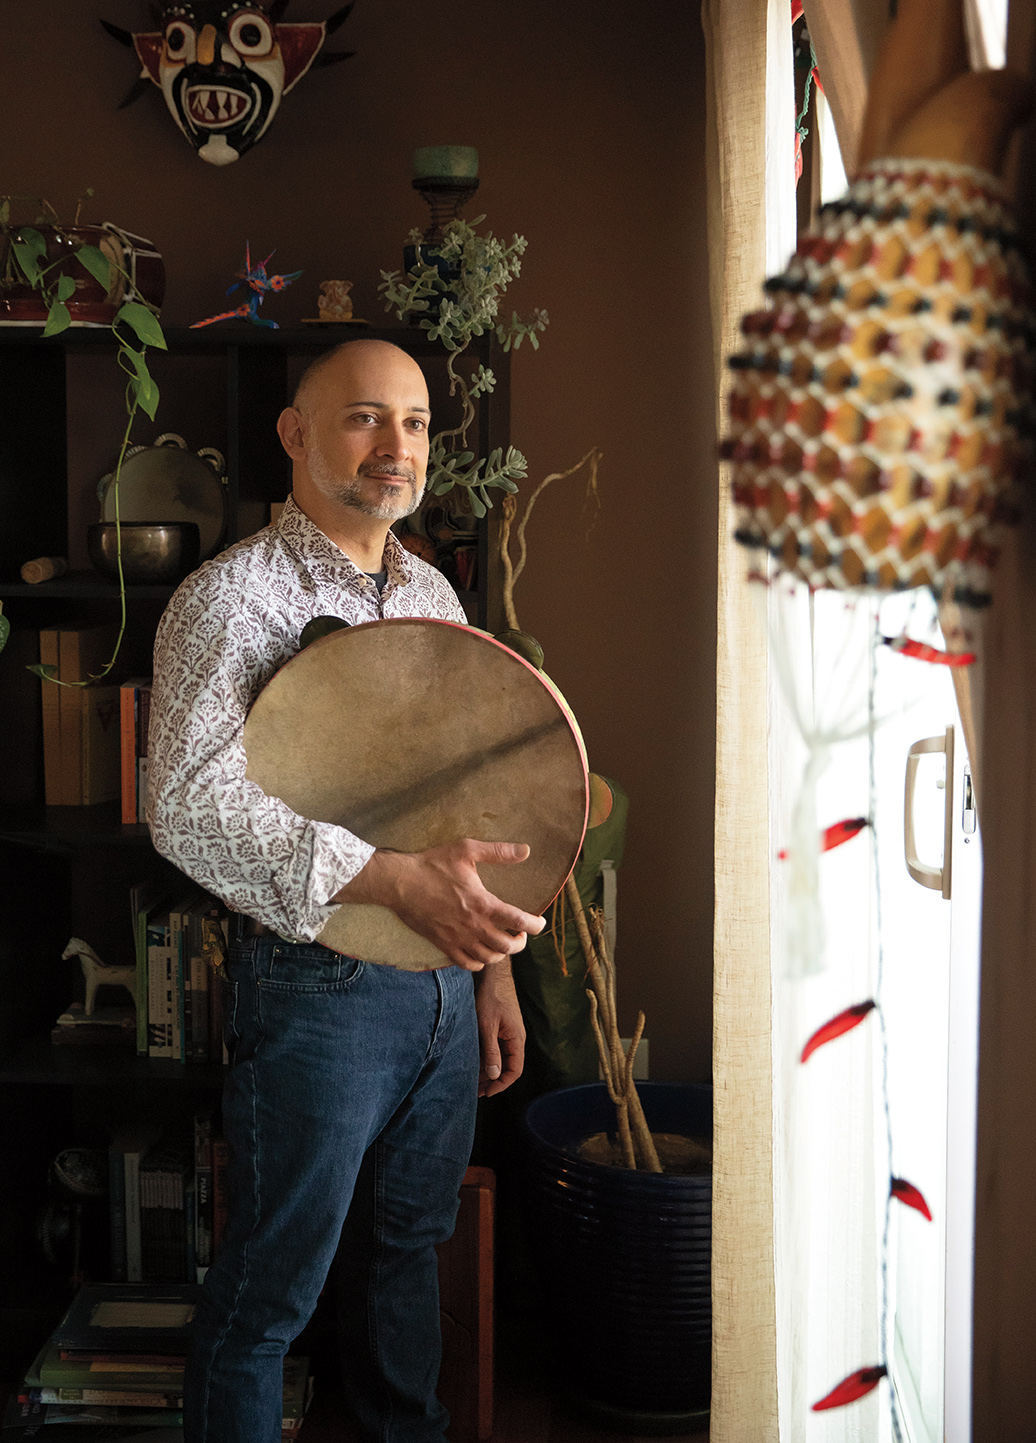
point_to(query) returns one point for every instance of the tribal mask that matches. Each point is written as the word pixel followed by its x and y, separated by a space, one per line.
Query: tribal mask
pixel 223 67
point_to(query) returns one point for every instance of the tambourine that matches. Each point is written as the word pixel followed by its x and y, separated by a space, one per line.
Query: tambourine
pixel 412 733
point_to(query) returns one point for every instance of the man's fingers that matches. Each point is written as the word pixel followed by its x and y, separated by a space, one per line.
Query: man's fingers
pixel 518 922
pixel 503 853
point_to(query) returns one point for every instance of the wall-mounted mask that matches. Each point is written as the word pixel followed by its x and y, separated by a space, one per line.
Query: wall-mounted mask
pixel 223 68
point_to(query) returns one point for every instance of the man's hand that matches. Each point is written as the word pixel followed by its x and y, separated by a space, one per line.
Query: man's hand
pixel 439 894
pixel 501 1032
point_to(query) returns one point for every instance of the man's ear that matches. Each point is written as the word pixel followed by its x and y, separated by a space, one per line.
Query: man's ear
pixel 290 430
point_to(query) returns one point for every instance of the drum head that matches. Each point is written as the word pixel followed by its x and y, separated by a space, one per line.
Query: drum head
pixel 413 733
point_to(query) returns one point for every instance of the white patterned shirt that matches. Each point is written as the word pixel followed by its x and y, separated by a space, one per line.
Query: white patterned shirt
pixel 228 628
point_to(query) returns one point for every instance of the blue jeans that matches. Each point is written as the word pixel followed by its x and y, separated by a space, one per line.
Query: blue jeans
pixel 344 1077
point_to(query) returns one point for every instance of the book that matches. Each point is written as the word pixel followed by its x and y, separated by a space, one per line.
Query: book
pixel 143 727
pixel 198 978
pixel 163 1220
pixel 80 724
pixel 51 1370
pixel 214 950
pixel 160 985
pixel 144 897
pixel 118 1318
pixel 23 1419
pixel 128 745
pixel 126 1149
pixel 202 1193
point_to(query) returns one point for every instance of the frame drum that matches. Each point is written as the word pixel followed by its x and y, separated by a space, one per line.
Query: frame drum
pixel 412 733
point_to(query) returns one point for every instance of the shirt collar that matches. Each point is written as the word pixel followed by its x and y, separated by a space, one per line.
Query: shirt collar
pixel 308 543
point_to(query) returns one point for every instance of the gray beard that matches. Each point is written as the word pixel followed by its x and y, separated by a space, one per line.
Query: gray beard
pixel 348 492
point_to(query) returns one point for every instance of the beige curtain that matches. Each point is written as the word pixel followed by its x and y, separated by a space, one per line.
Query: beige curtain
pixel 744 1379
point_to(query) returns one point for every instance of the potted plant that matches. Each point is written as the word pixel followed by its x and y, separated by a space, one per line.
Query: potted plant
pixel 453 292
pixel 82 275
pixel 620 1206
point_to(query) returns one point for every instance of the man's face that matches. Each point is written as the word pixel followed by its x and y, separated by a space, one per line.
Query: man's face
pixel 366 432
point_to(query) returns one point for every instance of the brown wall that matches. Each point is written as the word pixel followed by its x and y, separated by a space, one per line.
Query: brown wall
pixel 589 120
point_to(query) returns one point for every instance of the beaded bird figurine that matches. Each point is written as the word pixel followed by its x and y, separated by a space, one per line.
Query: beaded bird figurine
pixel 258 283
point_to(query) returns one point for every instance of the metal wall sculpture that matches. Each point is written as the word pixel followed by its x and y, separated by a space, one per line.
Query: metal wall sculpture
pixel 223 68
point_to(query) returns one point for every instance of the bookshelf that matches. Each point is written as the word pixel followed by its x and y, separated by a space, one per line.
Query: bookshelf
pixel 67 871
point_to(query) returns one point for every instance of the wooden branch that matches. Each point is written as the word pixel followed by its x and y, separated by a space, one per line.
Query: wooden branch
pixel 602 1048
pixel 509 509
pixel 594 457
pixel 641 1132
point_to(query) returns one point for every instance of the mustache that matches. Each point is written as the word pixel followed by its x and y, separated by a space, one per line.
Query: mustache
pixel 371 468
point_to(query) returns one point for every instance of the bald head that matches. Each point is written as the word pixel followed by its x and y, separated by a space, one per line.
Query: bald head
pixel 357 434
pixel 353 359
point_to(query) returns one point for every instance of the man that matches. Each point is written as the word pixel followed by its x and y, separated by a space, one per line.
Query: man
pixel 348 1082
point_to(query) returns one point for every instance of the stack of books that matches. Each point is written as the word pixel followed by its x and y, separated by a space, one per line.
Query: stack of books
pixel 80 723
pixel 179 943
pixel 167 1202
pixel 113 1368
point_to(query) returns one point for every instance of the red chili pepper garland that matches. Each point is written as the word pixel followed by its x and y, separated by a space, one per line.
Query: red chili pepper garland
pixel 905 1192
pixel 857 1385
pixel 841 832
pixel 844 1022
pixel 834 835
pixel 906 646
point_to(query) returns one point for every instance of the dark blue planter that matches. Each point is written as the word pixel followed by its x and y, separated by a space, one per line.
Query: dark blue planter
pixel 624 1258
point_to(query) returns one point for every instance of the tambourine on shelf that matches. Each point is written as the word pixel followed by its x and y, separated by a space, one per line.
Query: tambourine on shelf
pixel 881 412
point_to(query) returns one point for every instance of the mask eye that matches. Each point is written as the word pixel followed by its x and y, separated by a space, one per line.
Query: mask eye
pixel 251 34
pixel 179 41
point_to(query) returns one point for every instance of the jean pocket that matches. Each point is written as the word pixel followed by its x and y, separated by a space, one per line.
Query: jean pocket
pixel 293 968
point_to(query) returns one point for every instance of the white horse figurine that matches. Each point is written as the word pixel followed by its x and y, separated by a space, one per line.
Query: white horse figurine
pixel 97 974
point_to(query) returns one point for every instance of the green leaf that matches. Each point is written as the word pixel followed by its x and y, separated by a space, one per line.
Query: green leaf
pixel 27 262
pixel 58 319
pixel 146 393
pixel 66 288
pixel 96 262
pixel 5 630
pixel 140 320
pixel 44 670
pixel 33 240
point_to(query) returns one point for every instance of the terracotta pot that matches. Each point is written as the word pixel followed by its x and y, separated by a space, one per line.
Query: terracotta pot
pixel 91 305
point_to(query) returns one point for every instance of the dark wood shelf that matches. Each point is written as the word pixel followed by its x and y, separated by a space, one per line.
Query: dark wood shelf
pixel 83 584
pixel 182 340
pixel 40 1063
pixel 98 825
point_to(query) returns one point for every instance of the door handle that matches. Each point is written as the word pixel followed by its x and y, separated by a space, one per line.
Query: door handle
pixel 938 878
